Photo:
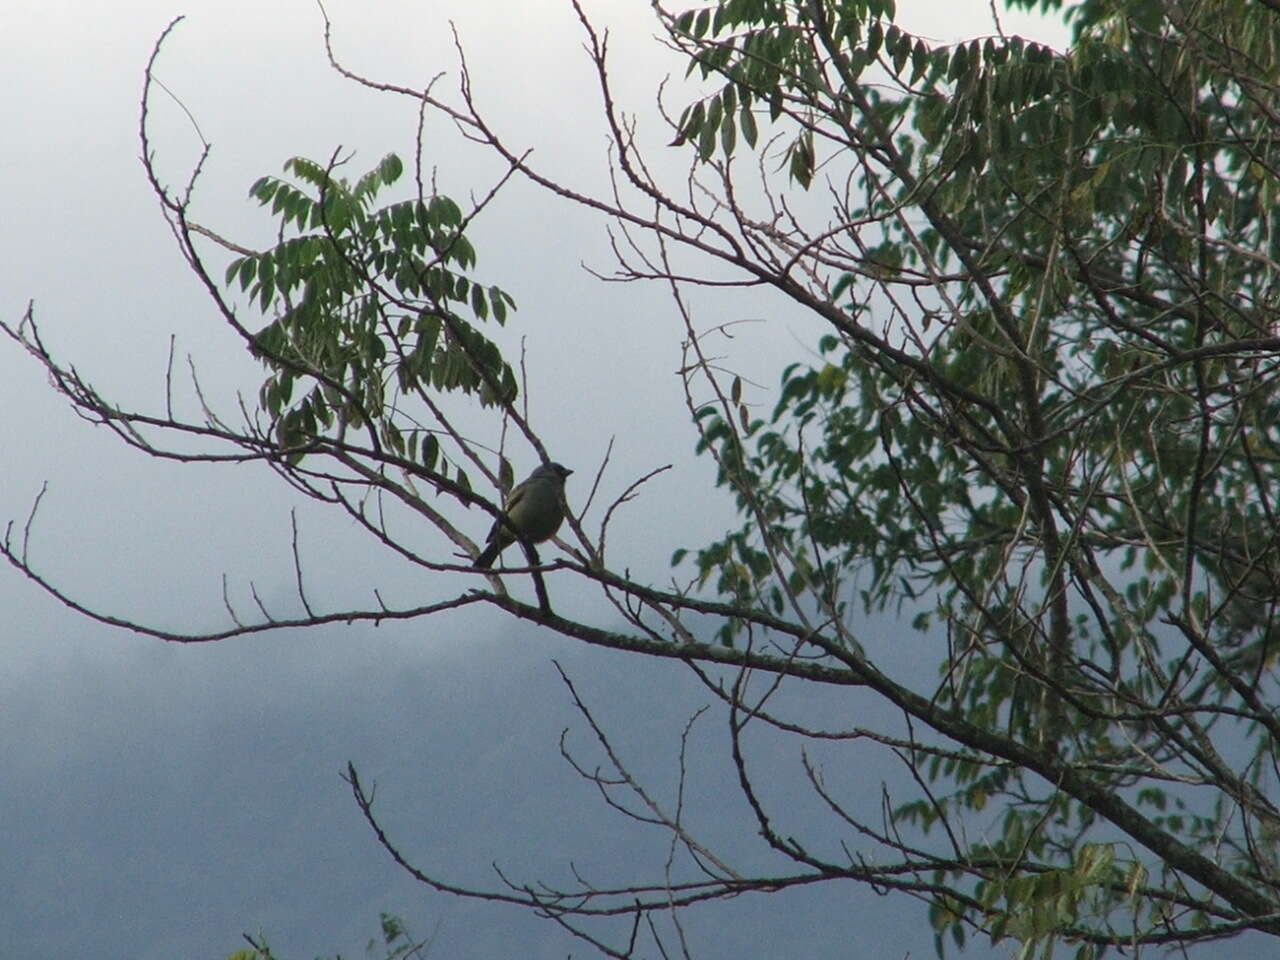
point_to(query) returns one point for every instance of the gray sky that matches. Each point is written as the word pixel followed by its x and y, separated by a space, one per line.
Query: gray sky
pixel 159 800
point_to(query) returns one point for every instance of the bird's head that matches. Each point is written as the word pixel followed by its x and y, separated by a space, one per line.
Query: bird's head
pixel 552 471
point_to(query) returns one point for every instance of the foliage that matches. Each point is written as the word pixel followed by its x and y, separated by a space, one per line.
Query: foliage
pixel 370 307
pixel 394 942
pixel 1047 418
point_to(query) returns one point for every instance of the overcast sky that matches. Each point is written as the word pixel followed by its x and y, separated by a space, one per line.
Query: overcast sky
pixel 158 800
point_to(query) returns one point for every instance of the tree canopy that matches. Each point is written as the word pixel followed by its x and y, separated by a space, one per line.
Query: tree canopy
pixel 1041 431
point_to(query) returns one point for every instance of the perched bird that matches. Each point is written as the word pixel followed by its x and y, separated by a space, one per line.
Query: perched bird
pixel 533 512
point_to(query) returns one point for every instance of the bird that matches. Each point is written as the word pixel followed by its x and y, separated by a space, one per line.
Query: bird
pixel 532 513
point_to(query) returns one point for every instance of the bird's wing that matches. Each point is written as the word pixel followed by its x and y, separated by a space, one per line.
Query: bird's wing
pixel 506 524
pixel 517 495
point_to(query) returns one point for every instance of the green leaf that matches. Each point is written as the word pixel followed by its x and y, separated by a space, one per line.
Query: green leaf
pixel 430 451
pixel 919 61
pixel 266 277
pixel 875 36
pixel 498 302
pixel 843 283
pixel 710 127
pixel 701 23
pixel 445 211
pixel 693 123
pixel 747 121
pixel 729 99
pixel 728 136
pixel 901 53
pixel 390 169
pixel 801 160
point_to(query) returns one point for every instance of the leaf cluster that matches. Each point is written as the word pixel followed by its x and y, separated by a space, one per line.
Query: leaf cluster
pixel 371 303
